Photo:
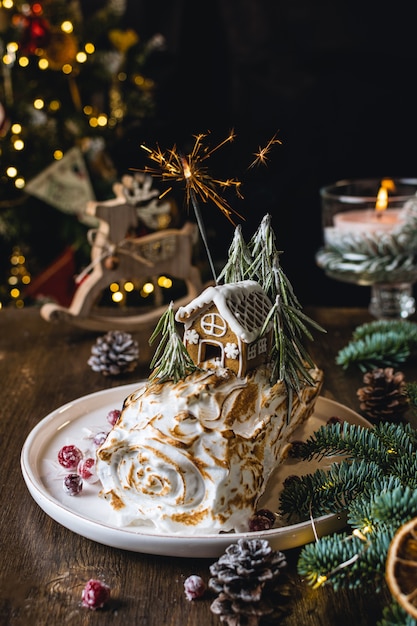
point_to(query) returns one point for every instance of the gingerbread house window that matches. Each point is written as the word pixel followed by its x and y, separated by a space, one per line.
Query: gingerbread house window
pixel 213 324
pixel 228 319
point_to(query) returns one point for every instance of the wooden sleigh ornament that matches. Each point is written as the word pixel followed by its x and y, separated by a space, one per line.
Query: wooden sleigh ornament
pixel 117 256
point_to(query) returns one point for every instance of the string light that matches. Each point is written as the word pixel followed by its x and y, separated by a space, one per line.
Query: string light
pixel 81 57
pixel 67 27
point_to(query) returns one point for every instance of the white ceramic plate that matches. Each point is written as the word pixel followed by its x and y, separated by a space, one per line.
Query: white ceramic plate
pixel 91 517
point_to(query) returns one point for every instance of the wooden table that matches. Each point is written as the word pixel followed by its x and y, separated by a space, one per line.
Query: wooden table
pixel 44 566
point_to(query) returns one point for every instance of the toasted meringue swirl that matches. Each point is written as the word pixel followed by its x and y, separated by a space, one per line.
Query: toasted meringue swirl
pixel 194 457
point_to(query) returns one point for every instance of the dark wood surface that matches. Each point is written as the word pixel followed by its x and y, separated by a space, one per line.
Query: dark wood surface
pixel 44 566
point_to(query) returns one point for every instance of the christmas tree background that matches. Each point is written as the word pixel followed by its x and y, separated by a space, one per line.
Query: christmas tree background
pixel 74 85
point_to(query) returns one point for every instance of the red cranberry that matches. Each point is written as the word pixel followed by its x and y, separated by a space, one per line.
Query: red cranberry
pixel 194 587
pixel 268 514
pixel 291 479
pixel 69 457
pixel 100 438
pixel 334 420
pixel 263 519
pixel 86 469
pixel 296 449
pixel 258 523
pixel 73 484
pixel 113 416
pixel 95 594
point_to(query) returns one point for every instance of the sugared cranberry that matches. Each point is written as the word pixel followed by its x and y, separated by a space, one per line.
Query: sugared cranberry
pixel 113 416
pixel 86 468
pixel 268 514
pixel 95 594
pixel 291 479
pixel 194 587
pixel 334 420
pixel 263 519
pixel 73 484
pixel 296 449
pixel 100 438
pixel 69 457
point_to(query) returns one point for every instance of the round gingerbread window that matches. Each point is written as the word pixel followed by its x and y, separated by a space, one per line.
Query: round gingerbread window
pixel 213 324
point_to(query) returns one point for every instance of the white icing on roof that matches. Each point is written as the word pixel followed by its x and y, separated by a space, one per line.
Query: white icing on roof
pixel 244 305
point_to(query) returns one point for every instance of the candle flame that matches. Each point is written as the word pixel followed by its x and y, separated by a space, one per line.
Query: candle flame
pixel 382 198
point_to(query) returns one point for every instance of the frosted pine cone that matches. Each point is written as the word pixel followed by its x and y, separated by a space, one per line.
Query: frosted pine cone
pixel 114 353
pixel 383 398
pixel 243 578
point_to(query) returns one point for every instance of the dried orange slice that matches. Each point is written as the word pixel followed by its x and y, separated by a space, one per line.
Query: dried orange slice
pixel 401 567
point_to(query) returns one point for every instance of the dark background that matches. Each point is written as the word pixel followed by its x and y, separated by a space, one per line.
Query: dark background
pixel 335 78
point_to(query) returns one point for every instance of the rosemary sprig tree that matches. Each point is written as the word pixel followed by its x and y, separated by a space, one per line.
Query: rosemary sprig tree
pixel 375 484
pixel 239 260
pixel 171 360
pixel 291 361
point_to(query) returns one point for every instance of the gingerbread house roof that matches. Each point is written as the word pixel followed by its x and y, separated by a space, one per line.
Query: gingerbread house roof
pixel 243 305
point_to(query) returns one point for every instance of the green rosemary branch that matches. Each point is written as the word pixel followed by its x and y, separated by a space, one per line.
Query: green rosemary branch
pixel 171 360
pixel 259 260
pixel 239 260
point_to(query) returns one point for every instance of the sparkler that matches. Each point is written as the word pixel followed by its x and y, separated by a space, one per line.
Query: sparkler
pixel 190 169
pixel 261 155
pixel 175 167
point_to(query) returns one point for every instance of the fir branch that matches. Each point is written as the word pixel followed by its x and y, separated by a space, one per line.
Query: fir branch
pixel 171 360
pixel 381 444
pixel 326 491
pixel 361 509
pixel 395 615
pixel 393 506
pixel 411 394
pixel 371 457
pixel 382 343
pixel 404 328
pixel 377 486
pixel 344 560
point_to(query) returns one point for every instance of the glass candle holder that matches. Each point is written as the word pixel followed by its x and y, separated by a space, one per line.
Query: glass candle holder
pixel 370 239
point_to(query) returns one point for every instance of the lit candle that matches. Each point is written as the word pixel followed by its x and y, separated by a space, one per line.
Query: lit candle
pixel 380 219
pixel 368 221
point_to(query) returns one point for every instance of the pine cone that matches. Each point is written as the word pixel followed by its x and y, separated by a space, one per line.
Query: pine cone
pixel 244 578
pixel 383 398
pixel 114 353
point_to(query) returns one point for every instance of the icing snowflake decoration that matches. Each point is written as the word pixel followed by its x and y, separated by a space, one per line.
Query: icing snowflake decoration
pixel 192 336
pixel 231 350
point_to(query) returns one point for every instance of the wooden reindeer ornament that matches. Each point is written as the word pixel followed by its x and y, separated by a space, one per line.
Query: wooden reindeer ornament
pixel 117 255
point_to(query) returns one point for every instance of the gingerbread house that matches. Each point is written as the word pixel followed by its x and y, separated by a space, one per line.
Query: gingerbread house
pixel 224 323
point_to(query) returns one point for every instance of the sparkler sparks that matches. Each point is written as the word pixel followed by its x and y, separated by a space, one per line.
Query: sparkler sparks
pixel 174 167
pixel 191 169
pixel 261 155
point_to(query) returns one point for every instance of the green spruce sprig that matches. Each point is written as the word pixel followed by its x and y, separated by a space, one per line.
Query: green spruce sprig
pixel 171 360
pixel 376 484
pixel 411 394
pixel 395 615
pixel 382 343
